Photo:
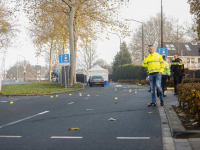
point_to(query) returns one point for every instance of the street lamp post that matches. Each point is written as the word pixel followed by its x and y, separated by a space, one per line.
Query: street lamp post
pixel 161 26
pixel 121 52
pixel 142 35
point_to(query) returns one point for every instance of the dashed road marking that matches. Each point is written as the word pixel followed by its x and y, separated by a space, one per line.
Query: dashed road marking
pixel 3 101
pixel 133 138
pixel 66 137
pixel 9 136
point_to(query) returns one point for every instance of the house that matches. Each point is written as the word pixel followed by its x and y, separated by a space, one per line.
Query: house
pixel 188 52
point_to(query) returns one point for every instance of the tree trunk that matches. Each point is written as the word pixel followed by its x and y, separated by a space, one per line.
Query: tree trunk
pixel 71 42
pixel 50 61
pixel 64 45
pixel 75 48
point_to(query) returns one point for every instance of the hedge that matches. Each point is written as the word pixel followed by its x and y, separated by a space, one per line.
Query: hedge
pixel 129 72
pixel 189 98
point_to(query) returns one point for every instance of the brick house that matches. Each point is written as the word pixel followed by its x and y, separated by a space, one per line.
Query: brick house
pixel 188 52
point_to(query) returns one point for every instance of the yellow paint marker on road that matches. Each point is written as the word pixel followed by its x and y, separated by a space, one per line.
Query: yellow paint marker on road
pixel 51 96
pixel 80 94
pixel 130 90
pixel 70 94
pixel 135 91
pixel 165 92
pixel 56 95
pixel 88 95
pixel 115 89
pixel 116 98
pixel 11 102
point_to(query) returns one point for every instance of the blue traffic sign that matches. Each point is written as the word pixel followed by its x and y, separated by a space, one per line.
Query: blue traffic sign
pixel 162 51
pixel 63 58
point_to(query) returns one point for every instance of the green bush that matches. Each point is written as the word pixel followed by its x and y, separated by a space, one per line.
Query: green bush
pixel 129 71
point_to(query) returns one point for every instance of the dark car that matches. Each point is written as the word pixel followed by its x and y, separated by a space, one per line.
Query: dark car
pixel 96 80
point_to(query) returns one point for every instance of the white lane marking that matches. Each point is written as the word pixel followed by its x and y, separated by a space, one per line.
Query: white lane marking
pixel 6 136
pixel 3 101
pixel 133 138
pixel 118 86
pixel 97 95
pixel 86 97
pixel 24 119
pixel 66 137
pixel 70 103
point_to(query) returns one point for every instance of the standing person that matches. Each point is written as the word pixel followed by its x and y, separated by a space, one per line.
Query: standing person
pixel 177 69
pixel 155 65
pixel 165 75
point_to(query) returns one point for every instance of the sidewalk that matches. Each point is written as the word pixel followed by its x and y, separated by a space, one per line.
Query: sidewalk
pixel 170 143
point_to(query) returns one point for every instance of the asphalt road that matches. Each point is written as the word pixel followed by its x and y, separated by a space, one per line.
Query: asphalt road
pixel 41 122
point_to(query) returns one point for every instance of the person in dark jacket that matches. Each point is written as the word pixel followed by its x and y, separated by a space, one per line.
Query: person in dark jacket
pixel 177 69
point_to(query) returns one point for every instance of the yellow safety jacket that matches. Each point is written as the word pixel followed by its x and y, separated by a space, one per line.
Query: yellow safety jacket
pixel 166 70
pixel 154 62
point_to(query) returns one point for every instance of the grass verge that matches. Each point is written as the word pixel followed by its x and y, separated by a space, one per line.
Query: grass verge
pixel 36 88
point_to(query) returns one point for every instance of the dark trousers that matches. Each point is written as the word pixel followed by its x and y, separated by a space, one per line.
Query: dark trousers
pixel 177 80
pixel 163 83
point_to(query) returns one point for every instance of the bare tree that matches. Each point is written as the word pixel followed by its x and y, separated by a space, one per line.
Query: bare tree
pixel 152 34
pixel 87 56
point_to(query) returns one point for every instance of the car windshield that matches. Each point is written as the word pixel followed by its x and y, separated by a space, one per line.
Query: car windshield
pixel 96 77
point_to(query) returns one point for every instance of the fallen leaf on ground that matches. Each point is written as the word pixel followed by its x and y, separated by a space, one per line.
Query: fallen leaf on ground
pixel 111 119
pixel 195 123
pixel 115 102
pixel 73 128
pixel 150 112
pixel 182 114
pixel 192 120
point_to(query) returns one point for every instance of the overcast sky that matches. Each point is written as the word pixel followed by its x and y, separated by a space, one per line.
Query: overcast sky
pixel 139 10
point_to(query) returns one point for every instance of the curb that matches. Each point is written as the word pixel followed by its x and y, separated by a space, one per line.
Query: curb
pixel 176 126
pixel 42 94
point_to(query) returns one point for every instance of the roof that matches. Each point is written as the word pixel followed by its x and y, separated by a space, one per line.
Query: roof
pixel 183 49
pixel 97 67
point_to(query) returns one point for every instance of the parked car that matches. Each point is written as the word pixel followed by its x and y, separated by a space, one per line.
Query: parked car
pixel 96 80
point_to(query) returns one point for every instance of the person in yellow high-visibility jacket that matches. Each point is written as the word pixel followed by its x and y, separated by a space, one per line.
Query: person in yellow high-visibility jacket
pixel 155 64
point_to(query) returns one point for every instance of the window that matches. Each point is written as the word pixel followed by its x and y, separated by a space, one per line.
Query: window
pixel 192 60
pixel 187 47
pixel 198 60
pixel 188 60
pixel 170 47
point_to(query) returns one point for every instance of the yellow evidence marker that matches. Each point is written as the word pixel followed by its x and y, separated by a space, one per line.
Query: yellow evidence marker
pixel 51 96
pixel 88 95
pixel 80 94
pixel 11 102
pixel 70 94
pixel 135 91
pixel 115 89
pixel 130 90
pixel 56 95
pixel 116 98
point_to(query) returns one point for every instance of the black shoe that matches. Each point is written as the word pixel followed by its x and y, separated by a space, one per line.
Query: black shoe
pixel 176 94
pixel 161 103
pixel 149 90
pixel 152 104
pixel 164 95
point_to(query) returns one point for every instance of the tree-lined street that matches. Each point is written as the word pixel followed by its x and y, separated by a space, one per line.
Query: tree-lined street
pixel 42 122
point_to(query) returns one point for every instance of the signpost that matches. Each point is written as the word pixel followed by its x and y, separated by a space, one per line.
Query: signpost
pixel 64 59
pixel 162 51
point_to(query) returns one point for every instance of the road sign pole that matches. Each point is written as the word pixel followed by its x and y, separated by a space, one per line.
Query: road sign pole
pixel 0 81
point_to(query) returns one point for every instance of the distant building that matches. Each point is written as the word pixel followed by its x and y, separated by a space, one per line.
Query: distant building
pixel 188 52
